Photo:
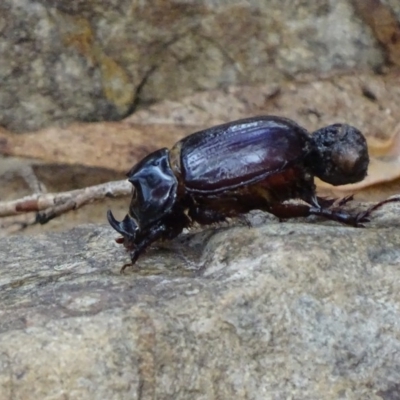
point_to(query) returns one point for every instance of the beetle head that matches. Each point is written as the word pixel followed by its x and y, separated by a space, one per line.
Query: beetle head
pixel 341 154
pixel 155 187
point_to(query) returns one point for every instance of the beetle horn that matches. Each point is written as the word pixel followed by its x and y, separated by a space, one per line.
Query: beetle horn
pixel 127 227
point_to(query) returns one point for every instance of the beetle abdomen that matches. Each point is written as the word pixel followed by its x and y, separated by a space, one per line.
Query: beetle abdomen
pixel 234 154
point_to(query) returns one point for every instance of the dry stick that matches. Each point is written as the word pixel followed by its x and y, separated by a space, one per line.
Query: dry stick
pixel 51 205
pixel 16 222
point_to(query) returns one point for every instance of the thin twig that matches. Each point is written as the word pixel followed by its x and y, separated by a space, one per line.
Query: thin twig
pixel 16 223
pixel 51 205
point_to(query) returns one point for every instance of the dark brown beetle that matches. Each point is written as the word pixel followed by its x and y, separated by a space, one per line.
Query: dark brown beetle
pixel 230 169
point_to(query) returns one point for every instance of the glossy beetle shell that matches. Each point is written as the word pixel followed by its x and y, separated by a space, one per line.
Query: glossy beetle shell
pixel 155 185
pixel 229 156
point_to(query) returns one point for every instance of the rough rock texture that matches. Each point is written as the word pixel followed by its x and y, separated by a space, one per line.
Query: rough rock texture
pixel 63 61
pixel 302 310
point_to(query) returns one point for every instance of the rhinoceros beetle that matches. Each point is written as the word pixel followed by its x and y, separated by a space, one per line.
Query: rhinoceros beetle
pixel 230 169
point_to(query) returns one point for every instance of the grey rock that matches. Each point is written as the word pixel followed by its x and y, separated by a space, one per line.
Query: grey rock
pixel 64 61
pixel 394 5
pixel 303 310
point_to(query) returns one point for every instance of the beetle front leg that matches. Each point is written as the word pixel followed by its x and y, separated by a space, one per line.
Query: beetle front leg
pixel 153 235
pixel 168 228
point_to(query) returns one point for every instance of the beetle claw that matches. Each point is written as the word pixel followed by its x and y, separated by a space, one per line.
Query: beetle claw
pixel 345 200
pixel 362 218
pixel 124 267
pixel 127 227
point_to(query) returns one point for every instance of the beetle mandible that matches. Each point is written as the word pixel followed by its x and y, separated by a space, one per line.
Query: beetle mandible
pixel 231 169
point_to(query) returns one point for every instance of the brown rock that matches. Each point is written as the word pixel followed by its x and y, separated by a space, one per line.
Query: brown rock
pixel 64 61
pixel 298 310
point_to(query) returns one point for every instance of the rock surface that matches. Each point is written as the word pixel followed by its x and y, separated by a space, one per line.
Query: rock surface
pixel 304 310
pixel 64 61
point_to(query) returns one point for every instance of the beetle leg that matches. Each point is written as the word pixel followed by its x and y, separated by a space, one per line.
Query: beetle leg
pixel 338 215
pixel 365 214
pixel 346 200
pixel 325 202
pixel 205 216
pixel 154 234
pixel 284 211
pixel 303 210
pixel 138 248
